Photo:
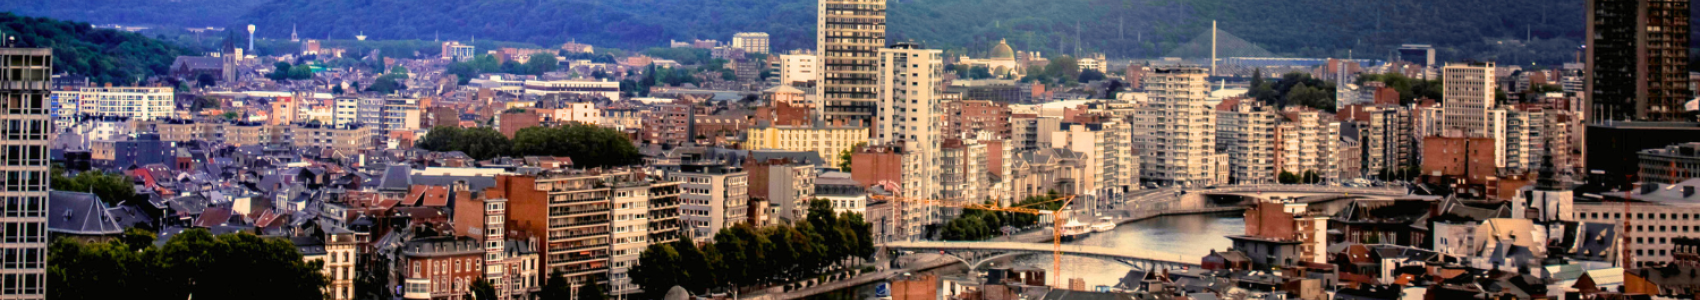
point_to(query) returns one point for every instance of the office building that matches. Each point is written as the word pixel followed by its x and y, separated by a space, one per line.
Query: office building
pixel 23 252
pixel 1469 90
pixel 1307 141
pixel 1175 130
pixel 715 194
pixel 1637 58
pixel 1671 164
pixel 751 42
pixel 850 34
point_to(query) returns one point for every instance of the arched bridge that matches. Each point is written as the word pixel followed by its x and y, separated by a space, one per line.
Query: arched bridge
pixel 975 254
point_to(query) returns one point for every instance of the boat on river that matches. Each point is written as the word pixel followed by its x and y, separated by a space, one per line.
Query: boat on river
pixel 1104 224
pixel 1074 229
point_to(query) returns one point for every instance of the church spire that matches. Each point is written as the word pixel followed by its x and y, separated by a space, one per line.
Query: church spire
pixel 292 36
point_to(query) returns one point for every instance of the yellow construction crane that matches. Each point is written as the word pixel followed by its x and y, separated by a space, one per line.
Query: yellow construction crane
pixel 1056 227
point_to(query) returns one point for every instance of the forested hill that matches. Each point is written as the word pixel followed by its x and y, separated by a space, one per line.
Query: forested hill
pixel 1509 31
pixel 105 55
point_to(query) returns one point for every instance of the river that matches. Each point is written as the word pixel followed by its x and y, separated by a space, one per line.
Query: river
pixel 1190 235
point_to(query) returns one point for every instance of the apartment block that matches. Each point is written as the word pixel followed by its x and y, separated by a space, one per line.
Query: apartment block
pixel 828 141
pixel 850 34
pixel 1245 130
pixel 137 103
pixel 1175 130
pixel 1469 95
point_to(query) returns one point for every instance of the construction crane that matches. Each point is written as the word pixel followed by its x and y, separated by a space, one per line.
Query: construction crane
pixel 1056 227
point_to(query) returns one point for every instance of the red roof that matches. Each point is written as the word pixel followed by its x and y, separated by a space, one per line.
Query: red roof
pixel 213 216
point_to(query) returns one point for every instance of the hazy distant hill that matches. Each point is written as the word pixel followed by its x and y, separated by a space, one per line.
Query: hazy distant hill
pixel 1461 29
pixel 180 13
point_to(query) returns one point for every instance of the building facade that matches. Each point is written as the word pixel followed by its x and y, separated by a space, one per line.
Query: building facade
pixel 850 34
pixel 1246 131
pixel 1175 130
pixel 828 141
pixel 138 103
pixel 24 78
pixel 1469 95
pixel 751 42
pixel 1671 164
pixel 1637 57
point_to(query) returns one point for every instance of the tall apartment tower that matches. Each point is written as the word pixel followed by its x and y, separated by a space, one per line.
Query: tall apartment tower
pixel 849 36
pixel 1637 56
pixel 1469 95
pixel 911 114
pixel 1175 131
pixel 25 82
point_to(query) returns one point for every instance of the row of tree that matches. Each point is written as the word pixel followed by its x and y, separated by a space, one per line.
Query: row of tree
pixel 745 256
pixel 1293 89
pixel 974 224
pixel 537 65
pixel 284 71
pixel 1409 88
pixel 194 263
pixel 588 145
pixel 1308 177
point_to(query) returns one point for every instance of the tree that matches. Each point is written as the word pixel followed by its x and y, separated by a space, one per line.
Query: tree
pixel 388 83
pixel 205 80
pixel 979 72
pixel 193 262
pixel 398 70
pixel 280 71
pixel 336 89
pixel 590 290
pixel 541 63
pixel 1063 67
pixel 1287 178
pixel 658 269
pixel 1091 75
pixel 301 72
pixel 482 290
pixel 112 188
pixel 845 156
pixel 556 287
pixel 138 239
pixel 588 145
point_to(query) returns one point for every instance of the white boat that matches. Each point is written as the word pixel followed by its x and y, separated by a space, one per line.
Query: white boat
pixel 1074 229
pixel 1104 224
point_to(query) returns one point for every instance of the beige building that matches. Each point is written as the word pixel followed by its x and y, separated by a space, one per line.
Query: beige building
pixel 1469 90
pixel 1307 140
pixel 911 113
pixel 751 42
pixel 1245 131
pixel 1175 130
pixel 799 68
pixel 346 139
pixel 850 34
pixel 828 141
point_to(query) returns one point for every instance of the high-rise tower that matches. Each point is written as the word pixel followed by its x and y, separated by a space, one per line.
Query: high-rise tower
pixel 1637 54
pixel 849 36
pixel 25 79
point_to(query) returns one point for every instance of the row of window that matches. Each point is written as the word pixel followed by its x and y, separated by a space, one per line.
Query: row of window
pixel 24 232
pixel 24 207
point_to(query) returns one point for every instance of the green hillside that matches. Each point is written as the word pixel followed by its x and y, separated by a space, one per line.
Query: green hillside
pixel 105 55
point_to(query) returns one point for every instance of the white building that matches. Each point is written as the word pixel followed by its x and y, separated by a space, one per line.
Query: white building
pixel 346 111
pixel 911 113
pixel 601 88
pixel 713 197
pixel 630 233
pixel 751 42
pixel 137 103
pixel 798 68
pixel 581 112
pixel 1175 130
pixel 1469 95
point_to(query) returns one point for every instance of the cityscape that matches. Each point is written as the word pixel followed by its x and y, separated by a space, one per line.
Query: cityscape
pixel 850 150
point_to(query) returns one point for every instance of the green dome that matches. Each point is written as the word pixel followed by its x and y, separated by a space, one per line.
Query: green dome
pixel 1002 51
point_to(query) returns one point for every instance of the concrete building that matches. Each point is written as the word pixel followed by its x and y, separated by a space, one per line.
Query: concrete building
pixel 24 78
pixel 910 80
pixel 1469 95
pixel 1637 53
pixel 349 139
pixel 457 51
pixel 1659 214
pixel 976 119
pixel 715 195
pixel 850 35
pixel 139 103
pixel 599 88
pixel 1032 132
pixel 1175 130
pixel 346 111
pixel 799 69
pixel 1307 141
pixel 1671 164
pixel 1525 140
pixel 1245 130
pixel 786 185
pixel 845 194
pixel 828 141
pixel 751 42
pixel 962 171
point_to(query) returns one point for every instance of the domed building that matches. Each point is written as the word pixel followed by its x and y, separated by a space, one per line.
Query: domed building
pixel 1001 63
